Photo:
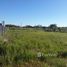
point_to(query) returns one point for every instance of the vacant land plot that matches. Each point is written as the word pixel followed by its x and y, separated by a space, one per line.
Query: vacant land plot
pixel 33 48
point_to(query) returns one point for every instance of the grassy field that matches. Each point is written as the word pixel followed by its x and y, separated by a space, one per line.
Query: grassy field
pixel 32 48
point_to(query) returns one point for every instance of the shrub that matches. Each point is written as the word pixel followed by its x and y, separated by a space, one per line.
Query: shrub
pixel 62 54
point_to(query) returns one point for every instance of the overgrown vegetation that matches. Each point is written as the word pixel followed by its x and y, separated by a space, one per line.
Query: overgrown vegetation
pixel 33 48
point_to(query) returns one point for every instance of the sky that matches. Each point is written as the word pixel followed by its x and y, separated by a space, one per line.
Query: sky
pixel 34 12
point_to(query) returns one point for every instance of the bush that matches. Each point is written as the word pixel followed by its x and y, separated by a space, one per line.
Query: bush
pixel 62 54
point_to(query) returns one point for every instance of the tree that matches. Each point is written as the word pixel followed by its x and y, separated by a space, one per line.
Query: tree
pixel 28 26
pixel 53 27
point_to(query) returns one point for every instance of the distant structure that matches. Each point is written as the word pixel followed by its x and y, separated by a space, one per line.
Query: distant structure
pixel 2 28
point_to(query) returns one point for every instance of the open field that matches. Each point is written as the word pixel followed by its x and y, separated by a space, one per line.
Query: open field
pixel 33 48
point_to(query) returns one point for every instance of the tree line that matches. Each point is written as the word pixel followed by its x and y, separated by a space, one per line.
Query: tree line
pixel 50 28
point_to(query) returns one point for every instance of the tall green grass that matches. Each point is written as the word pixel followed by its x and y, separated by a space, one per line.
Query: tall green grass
pixel 22 46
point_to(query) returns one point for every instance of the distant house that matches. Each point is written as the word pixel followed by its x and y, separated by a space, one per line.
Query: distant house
pixel 1 28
